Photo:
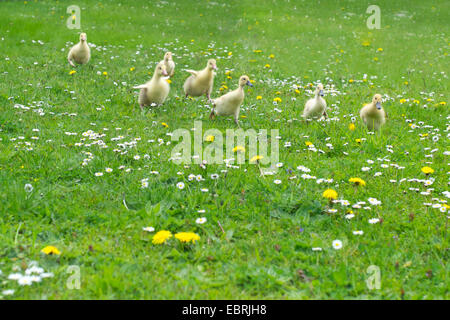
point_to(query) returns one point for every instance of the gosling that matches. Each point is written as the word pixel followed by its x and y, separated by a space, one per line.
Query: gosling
pixel 201 82
pixel 316 107
pixel 373 114
pixel 156 90
pixel 80 53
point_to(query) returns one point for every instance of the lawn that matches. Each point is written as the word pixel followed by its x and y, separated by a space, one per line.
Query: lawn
pixel 265 236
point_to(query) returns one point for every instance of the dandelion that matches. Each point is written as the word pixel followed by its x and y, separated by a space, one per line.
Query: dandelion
pixel 169 81
pixel 256 158
pixel 427 170
pixel 258 98
pixel 132 69
pixel 72 72
pixel 267 66
pixel 357 181
pixel 351 126
pixel 209 138
pixel 277 99
pixel 330 194
pixel 337 244
pixel 28 187
pixel 380 49
pixel 239 148
pixel 366 43
pixel 187 237
pixel 165 125
pixel 161 237
pixel 271 56
pixel 200 220
pixel 48 250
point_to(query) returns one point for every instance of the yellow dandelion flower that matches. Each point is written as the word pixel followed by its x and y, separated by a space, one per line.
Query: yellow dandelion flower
pixel 427 170
pixel 380 49
pixel 187 237
pixel 165 125
pixel 267 66
pixel 374 59
pixel 230 53
pixel 256 158
pixel 239 148
pixel 105 73
pixel 358 140
pixel 258 98
pixel 161 237
pixel 72 72
pixel 366 44
pixel 132 69
pixel 351 126
pixel 308 143
pixel 257 51
pixel 351 80
pixel 442 103
pixel 402 101
pixel 277 99
pixel 209 138
pixel 51 250
pixel 169 81
pixel 357 181
pixel 330 194
pixel 297 91
pixel 271 56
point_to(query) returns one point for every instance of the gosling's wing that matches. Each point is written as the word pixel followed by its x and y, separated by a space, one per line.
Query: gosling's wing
pixel 192 72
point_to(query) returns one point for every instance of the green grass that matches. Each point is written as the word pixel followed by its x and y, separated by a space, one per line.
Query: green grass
pixel 270 230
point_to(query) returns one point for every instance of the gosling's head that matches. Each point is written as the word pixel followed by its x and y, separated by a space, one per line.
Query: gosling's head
pixel 168 56
pixel 83 36
pixel 161 70
pixel 377 101
pixel 319 90
pixel 245 80
pixel 212 64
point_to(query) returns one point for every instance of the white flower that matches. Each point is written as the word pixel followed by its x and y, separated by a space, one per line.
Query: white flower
pixel 337 244
pixel 136 157
pixel 98 174
pixel 374 201
pixel 15 276
pixel 277 181
pixel 214 176
pixel 358 232
pixel 7 292
pixel 303 168
pixel 200 220
pixel 374 220
pixel 109 170
pixel 47 275
pixel 365 168
pixel 180 185
pixel 349 216
pixel 204 189
pixel 28 187
pixel 148 229
pixel 34 269
pixel 25 281
pixel 317 249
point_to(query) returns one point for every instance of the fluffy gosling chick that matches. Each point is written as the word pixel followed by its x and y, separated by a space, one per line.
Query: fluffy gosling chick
pixel 373 114
pixel 316 107
pixel 201 82
pixel 230 103
pixel 80 53
pixel 168 62
pixel 156 90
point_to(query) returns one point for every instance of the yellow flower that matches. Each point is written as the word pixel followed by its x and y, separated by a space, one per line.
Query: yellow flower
pixel 442 103
pixel 209 138
pixel 277 99
pixel 308 143
pixel 72 72
pixel 257 51
pixel 380 49
pixel 105 73
pixel 258 98
pixel 272 56
pixel 351 126
pixel 267 66
pixel 165 125
pixel 187 237
pixel 402 101
pixel 161 237
pixel 416 101
pixel 256 158
pixel 239 148
pixel 351 80
pixel 406 82
pixel 357 181
pixel 366 44
pixel 375 59
pixel 297 91
pixel 132 69
pixel 169 81
pixel 358 140
pixel 427 170
pixel 330 194
pixel 230 53
pixel 51 250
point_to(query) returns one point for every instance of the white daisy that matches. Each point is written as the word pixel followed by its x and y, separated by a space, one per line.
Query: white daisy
pixel 200 220
pixel 337 244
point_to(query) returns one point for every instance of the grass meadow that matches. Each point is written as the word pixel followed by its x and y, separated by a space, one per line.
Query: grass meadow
pixel 84 170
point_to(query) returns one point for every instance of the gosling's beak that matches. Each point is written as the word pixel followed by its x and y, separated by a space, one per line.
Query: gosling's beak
pixel 164 72
pixel 214 67
pixel 249 83
pixel 321 93
pixel 378 105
